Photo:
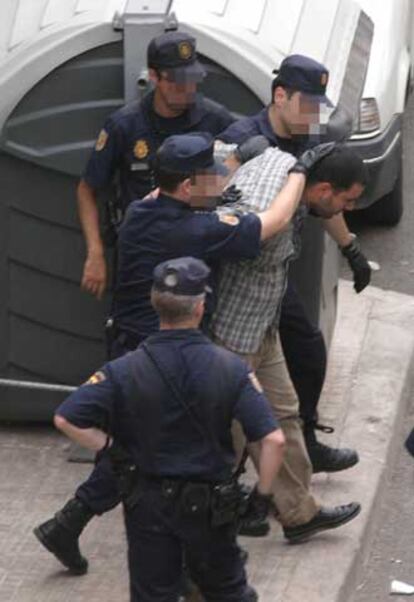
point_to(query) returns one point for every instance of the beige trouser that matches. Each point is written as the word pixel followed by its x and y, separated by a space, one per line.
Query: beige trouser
pixel 291 491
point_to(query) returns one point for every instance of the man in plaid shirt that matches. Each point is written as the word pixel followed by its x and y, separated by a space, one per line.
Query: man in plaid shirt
pixel 246 317
pixel 293 122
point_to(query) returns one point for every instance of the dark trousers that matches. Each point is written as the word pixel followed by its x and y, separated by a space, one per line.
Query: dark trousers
pixel 305 353
pixel 159 536
pixel 100 491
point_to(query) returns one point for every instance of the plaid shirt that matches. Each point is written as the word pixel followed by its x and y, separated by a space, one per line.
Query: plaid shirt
pixel 249 292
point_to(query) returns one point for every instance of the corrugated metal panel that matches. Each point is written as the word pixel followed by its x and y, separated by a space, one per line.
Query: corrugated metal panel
pixel 9 9
pixel 248 16
pixel 84 6
pixel 58 12
pixel 218 6
pixel 22 21
pixel 279 30
pixel 317 17
pixel 27 21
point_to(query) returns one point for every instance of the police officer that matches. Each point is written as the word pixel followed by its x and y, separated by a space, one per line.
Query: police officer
pixel 178 223
pixel 131 135
pixel 298 96
pixel 170 404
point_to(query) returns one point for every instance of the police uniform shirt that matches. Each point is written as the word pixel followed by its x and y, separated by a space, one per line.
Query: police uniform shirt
pixel 131 136
pixel 157 230
pixel 259 124
pixel 129 398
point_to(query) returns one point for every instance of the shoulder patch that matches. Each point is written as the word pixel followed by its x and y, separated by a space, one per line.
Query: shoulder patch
pixel 101 141
pixel 255 382
pixel 96 378
pixel 141 149
pixel 231 220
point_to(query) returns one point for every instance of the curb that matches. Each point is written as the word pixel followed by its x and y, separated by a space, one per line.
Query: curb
pixel 364 397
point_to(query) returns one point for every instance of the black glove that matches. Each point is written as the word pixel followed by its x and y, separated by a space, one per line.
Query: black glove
pixel 232 194
pixel 251 148
pixel 358 264
pixel 311 156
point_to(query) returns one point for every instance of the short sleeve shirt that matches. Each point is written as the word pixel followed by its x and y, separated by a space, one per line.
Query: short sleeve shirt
pixel 130 137
pixel 259 124
pixel 130 399
pixel 157 230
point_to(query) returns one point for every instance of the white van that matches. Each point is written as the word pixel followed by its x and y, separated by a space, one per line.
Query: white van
pixel 378 126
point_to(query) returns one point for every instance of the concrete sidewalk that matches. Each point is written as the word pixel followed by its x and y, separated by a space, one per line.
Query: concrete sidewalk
pixel 363 398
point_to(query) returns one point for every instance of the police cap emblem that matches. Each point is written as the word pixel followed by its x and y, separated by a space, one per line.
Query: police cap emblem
pixel 101 141
pixel 185 50
pixel 324 79
pixel 141 149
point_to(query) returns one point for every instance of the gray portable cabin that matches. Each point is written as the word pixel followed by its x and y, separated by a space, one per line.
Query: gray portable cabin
pixel 64 66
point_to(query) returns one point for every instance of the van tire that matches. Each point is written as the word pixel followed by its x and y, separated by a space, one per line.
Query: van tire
pixel 388 210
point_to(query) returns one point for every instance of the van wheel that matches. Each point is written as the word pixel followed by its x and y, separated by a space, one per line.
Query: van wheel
pixel 388 210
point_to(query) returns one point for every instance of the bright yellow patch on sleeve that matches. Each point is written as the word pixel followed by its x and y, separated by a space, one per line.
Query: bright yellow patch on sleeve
pixel 101 141
pixel 231 220
pixel 96 378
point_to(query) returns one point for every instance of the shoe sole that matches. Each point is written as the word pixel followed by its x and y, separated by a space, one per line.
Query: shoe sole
pixel 350 465
pixel 50 548
pixel 333 525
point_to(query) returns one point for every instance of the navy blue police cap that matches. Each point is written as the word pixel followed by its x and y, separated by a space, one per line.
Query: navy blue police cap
pixel 175 53
pixel 305 75
pixel 182 276
pixel 189 153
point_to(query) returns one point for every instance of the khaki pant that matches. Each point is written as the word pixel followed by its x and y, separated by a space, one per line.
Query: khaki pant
pixel 291 493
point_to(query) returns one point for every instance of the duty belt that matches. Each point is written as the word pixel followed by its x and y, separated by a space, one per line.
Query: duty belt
pixel 221 502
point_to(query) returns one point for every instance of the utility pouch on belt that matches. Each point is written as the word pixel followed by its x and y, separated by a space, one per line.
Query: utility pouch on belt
pixel 195 499
pixel 225 503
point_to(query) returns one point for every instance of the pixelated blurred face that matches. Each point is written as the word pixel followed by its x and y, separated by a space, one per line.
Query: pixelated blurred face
pixel 177 92
pixel 205 188
pixel 301 112
pixel 328 202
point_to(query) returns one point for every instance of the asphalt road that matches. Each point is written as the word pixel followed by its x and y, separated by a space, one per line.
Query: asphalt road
pixel 393 248
pixel 392 552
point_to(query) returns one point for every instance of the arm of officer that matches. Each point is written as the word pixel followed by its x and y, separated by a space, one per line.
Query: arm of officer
pixel 94 276
pixel 272 448
pixel 84 413
pixel 284 205
pixel 103 162
pixel 277 217
pixel 91 438
pixel 262 430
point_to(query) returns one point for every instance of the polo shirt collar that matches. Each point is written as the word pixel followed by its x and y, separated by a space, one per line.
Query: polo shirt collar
pixel 186 121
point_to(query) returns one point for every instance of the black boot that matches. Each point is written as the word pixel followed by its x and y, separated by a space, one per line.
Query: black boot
pixel 60 535
pixel 326 518
pixel 325 458
pixel 252 523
